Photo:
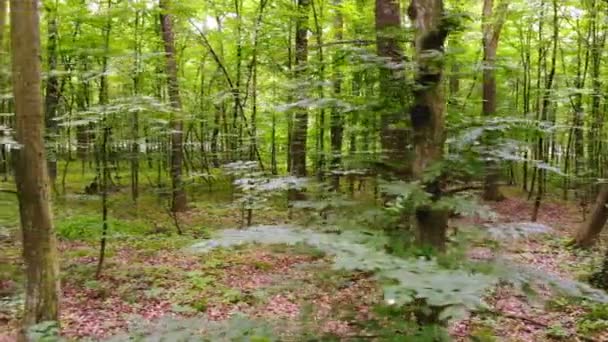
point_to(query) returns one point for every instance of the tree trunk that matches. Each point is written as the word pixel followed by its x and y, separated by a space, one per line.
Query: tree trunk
pixel 52 90
pixel 544 110
pixel 337 119
pixel 4 163
pixel 39 242
pixel 179 201
pixel 427 114
pixel 591 229
pixel 393 134
pixel 300 123
pixel 137 78
pixel 492 25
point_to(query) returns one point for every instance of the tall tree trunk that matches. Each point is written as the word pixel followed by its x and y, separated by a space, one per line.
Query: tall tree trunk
pixel 589 231
pixel 4 163
pixel 179 201
pixel 52 89
pixel 102 154
pixel 544 110
pixel 39 242
pixel 492 25
pixel 320 141
pixel 337 119
pixel 393 135
pixel 427 114
pixel 300 123
pixel 236 89
pixel 137 78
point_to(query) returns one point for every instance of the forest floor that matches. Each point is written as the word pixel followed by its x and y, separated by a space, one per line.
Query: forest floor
pixel 150 275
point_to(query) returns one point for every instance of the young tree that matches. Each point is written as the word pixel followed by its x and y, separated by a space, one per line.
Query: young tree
pixel 31 176
pixel 427 113
pixel 179 202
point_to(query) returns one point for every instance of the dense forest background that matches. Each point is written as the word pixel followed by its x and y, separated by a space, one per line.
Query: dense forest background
pixel 420 142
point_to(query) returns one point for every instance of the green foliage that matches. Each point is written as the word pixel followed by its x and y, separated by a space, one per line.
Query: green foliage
pixel 558 332
pixel 199 280
pixel 483 334
pixel 452 290
pixel 89 228
pixel 596 319
pixel 238 328
pixel 44 332
pixel 393 323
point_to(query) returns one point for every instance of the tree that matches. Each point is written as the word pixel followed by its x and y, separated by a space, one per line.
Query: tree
pixel 31 176
pixel 427 113
pixel 589 231
pixel 337 119
pixel 393 133
pixel 53 92
pixel 297 148
pixel 491 27
pixel 179 201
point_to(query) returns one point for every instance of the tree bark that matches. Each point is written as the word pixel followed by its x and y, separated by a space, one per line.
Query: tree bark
pixel 300 123
pixel 137 78
pixel 337 119
pixel 393 134
pixel 427 114
pixel 39 242
pixel 591 229
pixel 52 90
pixel 491 27
pixel 179 201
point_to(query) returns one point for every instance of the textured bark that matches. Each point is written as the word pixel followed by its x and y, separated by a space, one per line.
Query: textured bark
pixel 427 113
pixel 544 112
pixel 491 27
pixel 39 242
pixel 589 231
pixel 300 122
pixel 393 133
pixel 337 119
pixel 3 12
pixel 52 91
pixel 137 78
pixel 179 202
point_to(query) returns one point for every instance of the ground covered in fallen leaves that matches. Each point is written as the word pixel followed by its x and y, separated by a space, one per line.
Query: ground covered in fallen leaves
pixel 148 278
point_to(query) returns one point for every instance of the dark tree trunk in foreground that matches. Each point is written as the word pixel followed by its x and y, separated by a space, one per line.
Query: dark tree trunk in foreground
pixel 589 231
pixel 179 195
pixel 427 114
pixel 300 124
pixel 31 176
pixel 492 25
pixel 393 133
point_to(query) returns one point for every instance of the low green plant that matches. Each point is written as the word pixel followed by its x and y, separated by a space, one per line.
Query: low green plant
pixel 557 331
pixel 594 320
pixel 88 227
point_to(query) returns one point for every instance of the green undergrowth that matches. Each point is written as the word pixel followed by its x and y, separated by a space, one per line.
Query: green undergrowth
pixel 406 280
pixel 590 317
pixel 88 227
